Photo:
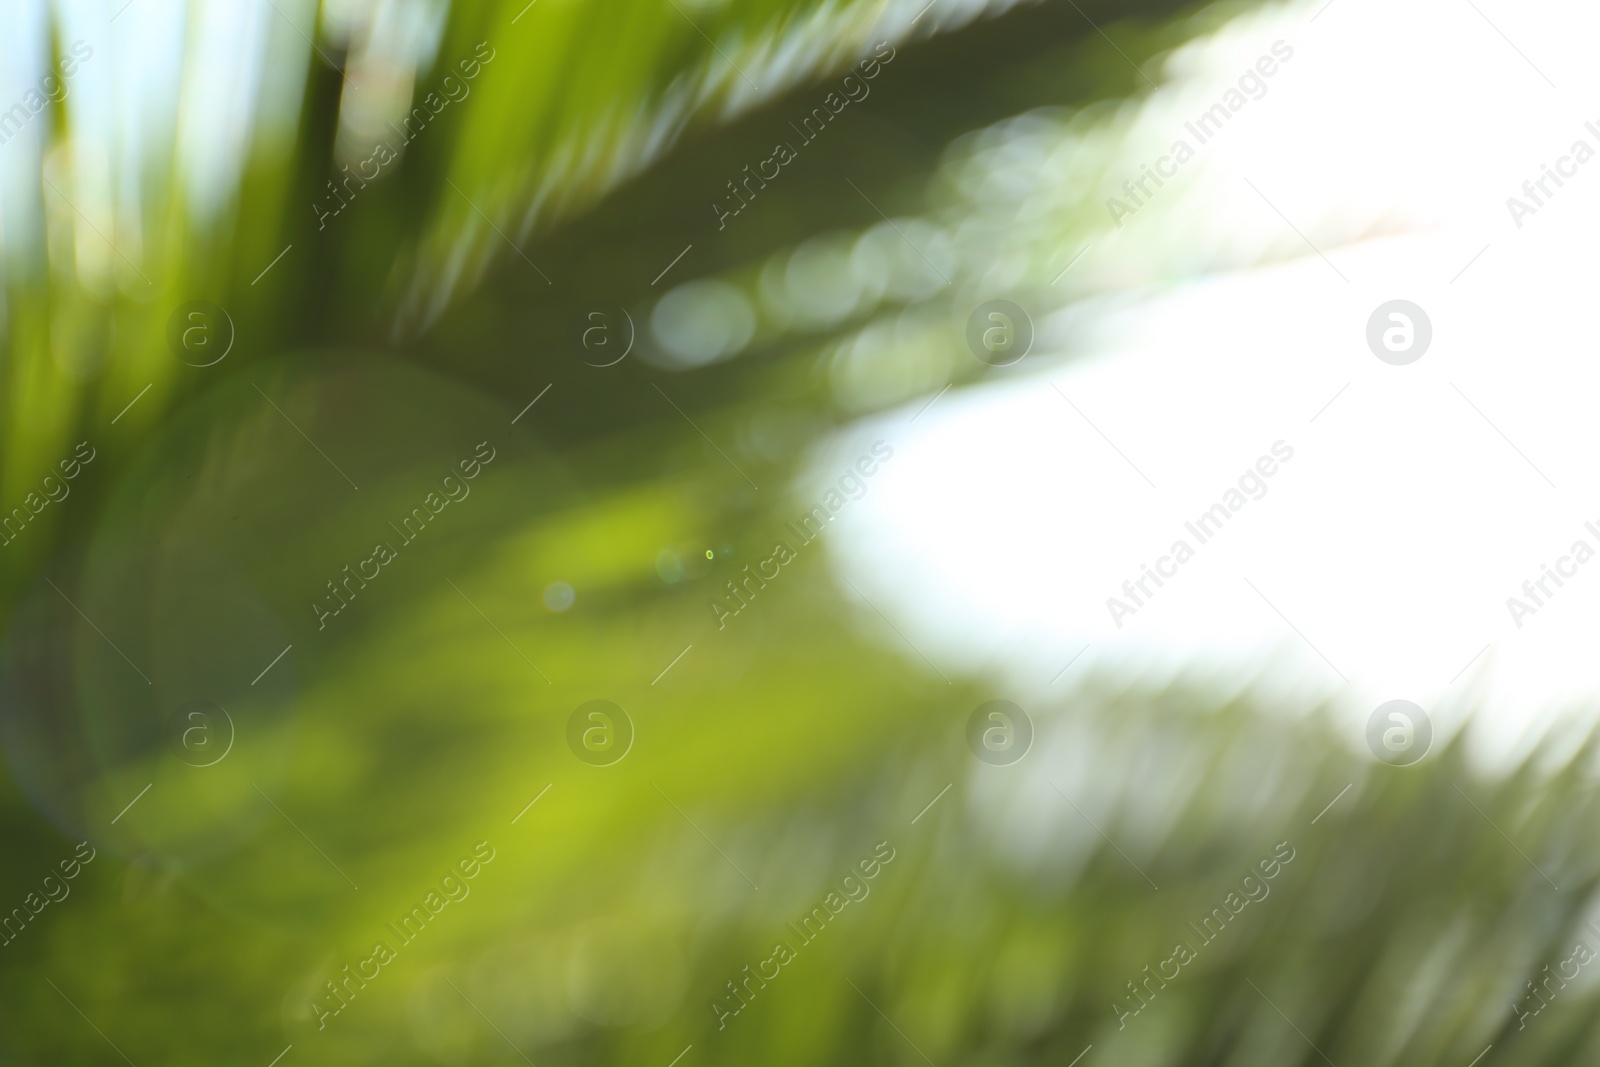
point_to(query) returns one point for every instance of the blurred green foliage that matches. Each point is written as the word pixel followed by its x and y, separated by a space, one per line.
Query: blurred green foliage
pixel 428 714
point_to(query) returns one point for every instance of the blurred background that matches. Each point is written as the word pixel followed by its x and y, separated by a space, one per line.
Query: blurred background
pixel 565 533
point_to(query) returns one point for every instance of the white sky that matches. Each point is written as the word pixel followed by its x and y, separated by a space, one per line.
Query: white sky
pixel 1405 519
